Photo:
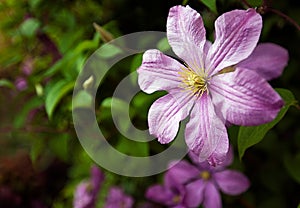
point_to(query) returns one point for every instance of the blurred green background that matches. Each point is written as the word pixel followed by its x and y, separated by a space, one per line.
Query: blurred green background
pixel 43 46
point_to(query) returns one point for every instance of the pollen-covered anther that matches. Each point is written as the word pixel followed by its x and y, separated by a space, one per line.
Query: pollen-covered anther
pixel 193 82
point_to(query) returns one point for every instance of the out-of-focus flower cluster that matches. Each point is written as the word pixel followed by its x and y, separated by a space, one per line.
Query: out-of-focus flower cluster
pixel 189 185
pixel 86 193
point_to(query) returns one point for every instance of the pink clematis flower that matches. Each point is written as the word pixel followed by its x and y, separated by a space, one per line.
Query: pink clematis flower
pixel 217 84
pixel 85 195
pixel 118 199
pixel 186 185
pixel 170 194
pixel 203 181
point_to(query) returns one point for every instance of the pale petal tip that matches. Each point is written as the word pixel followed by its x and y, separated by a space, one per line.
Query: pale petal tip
pixel 216 161
pixel 163 140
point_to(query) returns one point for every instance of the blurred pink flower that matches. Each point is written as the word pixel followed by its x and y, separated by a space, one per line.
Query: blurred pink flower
pixel 116 198
pixel 21 84
pixel 85 195
pixel 27 66
pixel 188 185
pixel 171 193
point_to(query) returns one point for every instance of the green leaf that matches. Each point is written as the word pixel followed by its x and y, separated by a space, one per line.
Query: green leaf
pixel 21 117
pixel 184 2
pixel 36 149
pixel 87 45
pixel 29 27
pixel 163 45
pixel 136 62
pixel 108 51
pixel 251 135
pixel 72 61
pixel 211 4
pixel 6 83
pixel 55 94
pixel 255 3
pixel 298 205
pixel 120 108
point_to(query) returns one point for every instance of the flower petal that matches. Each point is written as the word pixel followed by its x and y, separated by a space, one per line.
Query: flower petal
pixel 227 161
pixel 194 193
pixel 158 72
pixel 195 159
pixel 166 113
pixel 205 132
pixel 267 59
pixel 186 35
pixel 207 166
pixel 231 182
pixel 82 196
pixel 245 98
pixel 117 198
pixel 159 194
pixel 212 198
pixel 182 172
pixel 237 33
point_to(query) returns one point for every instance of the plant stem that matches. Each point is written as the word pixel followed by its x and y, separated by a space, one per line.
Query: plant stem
pixel 246 3
pixel 293 22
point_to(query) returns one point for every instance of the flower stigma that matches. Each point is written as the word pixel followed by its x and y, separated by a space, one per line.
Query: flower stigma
pixel 205 175
pixel 193 82
pixel 176 199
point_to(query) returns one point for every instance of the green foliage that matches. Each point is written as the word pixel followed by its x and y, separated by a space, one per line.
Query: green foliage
pixel 36 149
pixel 60 146
pixel 211 4
pixel 118 106
pixel 255 3
pixel 82 100
pixel 57 91
pixel 163 45
pixel 31 104
pixel 6 83
pixel 249 136
pixel 47 44
pixel 141 149
pixel 136 62
pixel 29 27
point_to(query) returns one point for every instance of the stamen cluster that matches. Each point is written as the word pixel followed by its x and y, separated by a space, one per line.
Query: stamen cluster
pixel 193 82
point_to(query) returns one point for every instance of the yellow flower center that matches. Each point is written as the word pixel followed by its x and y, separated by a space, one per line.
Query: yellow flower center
pixel 176 199
pixel 205 175
pixel 193 82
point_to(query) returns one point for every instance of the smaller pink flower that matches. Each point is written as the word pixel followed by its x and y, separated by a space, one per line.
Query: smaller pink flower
pixel 203 181
pixel 21 84
pixel 116 198
pixel 188 186
pixel 86 192
pixel 170 194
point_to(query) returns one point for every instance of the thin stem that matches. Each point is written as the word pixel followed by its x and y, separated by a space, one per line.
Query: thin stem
pixel 293 22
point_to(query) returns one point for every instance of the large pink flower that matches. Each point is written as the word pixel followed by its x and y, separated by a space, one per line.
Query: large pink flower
pixel 219 83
